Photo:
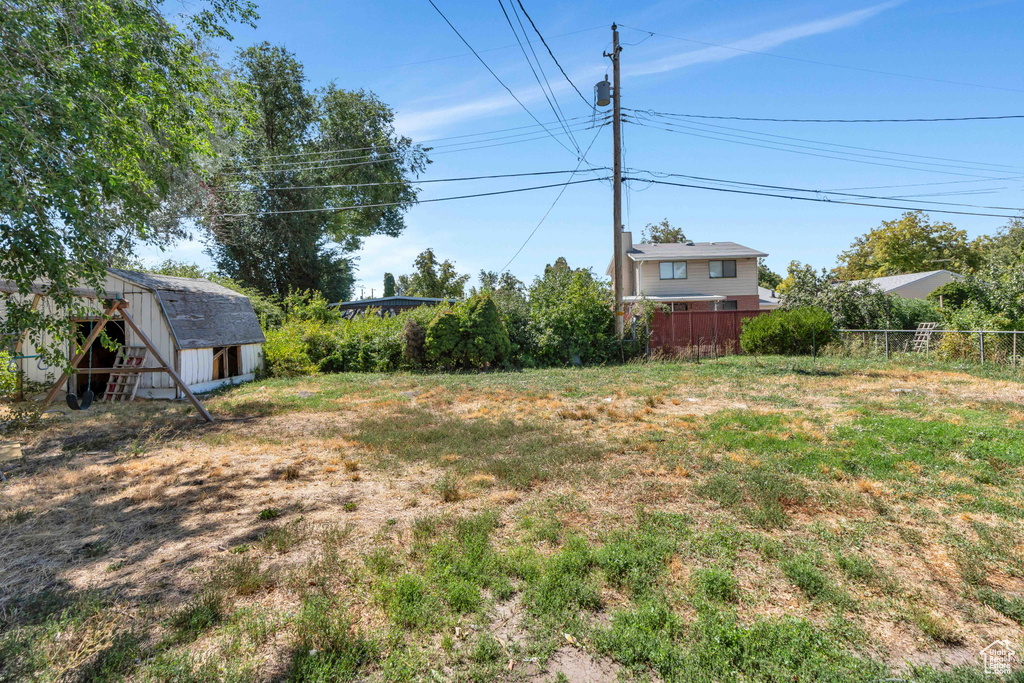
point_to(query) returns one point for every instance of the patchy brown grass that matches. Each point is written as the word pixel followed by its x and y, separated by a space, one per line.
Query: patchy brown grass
pixel 144 503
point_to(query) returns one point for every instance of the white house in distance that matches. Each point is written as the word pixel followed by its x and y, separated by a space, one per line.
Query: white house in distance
pixel 208 333
pixel 912 285
pixel 691 276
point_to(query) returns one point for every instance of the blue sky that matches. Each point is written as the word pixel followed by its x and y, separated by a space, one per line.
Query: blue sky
pixel 964 57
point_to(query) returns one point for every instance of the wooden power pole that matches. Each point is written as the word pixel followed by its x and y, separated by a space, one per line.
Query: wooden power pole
pixel 617 182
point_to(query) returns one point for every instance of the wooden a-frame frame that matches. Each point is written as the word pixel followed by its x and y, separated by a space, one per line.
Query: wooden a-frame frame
pixel 120 306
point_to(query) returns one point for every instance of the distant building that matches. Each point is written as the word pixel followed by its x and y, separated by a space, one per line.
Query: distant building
pixel 388 306
pixel 691 276
pixel 769 298
pixel 912 285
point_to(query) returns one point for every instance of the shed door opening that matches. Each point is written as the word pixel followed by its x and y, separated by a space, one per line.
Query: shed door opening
pixel 99 357
pixel 225 362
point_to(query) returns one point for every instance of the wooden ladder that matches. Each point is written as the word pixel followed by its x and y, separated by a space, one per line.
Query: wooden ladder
pixel 122 386
pixel 923 336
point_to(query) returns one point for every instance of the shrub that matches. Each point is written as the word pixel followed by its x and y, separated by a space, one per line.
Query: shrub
pixel 415 342
pixel 793 332
pixel 8 378
pixel 484 339
pixel 443 336
pixel 571 311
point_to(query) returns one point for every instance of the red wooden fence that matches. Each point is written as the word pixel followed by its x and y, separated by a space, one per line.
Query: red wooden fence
pixel 704 333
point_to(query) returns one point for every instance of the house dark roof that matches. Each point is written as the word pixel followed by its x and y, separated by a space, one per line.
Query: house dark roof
pixel 691 250
pixel 391 301
pixel 201 313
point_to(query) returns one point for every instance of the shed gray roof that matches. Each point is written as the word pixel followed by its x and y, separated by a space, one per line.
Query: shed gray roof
pixel 691 250
pixel 891 282
pixel 202 314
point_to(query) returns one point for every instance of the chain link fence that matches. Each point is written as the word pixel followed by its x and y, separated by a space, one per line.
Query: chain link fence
pixel 967 346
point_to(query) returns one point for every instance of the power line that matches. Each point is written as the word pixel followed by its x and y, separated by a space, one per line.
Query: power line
pixel 420 143
pixel 491 71
pixel 959 162
pixel 555 59
pixel 310 163
pixel 757 118
pixel 819 199
pixel 829 64
pixel 550 208
pixel 820 192
pixel 421 201
pixel 552 103
pixel 385 159
pixel 413 182
pixel 797 151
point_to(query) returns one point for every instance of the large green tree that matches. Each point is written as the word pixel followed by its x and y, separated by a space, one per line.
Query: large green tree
pixel 663 232
pixel 288 210
pixel 106 106
pixel 911 244
pixel 433 278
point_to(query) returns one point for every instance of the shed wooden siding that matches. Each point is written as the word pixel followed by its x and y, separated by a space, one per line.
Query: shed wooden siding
pixel 698 280
pixel 197 364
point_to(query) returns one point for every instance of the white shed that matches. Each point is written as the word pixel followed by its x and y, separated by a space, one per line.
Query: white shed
pixel 208 333
pixel 913 285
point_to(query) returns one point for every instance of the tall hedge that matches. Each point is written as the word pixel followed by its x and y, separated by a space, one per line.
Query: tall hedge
pixel 794 332
pixel 484 338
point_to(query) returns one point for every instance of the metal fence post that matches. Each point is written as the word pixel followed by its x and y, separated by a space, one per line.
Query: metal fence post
pixel 1015 349
pixel 887 344
pixel 981 345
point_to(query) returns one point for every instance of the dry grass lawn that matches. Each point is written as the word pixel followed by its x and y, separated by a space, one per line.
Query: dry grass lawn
pixel 754 520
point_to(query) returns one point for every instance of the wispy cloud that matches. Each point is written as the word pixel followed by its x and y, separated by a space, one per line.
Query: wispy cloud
pixel 424 122
pixel 760 42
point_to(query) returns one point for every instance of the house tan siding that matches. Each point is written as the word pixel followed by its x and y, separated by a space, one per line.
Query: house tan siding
pixel 699 281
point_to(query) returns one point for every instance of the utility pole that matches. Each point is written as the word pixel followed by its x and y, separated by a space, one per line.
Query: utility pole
pixel 617 182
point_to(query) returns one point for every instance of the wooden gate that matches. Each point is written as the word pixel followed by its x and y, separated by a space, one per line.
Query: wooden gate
pixel 703 333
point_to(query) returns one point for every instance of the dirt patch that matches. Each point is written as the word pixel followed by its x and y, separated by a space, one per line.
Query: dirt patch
pixel 579 666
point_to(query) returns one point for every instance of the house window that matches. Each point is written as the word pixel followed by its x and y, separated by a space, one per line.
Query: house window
pixel 680 307
pixel 723 268
pixel 673 270
pixel 724 306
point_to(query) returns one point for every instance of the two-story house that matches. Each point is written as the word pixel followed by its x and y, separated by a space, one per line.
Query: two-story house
pixel 691 276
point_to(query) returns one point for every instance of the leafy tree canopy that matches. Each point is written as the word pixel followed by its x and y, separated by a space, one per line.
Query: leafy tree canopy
pixel 660 233
pixel 389 285
pixel 107 104
pixel 766 277
pixel 339 146
pixel 433 278
pixel 912 244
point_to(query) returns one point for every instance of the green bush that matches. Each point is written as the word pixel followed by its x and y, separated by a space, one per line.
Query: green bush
pixel 443 337
pixel 571 311
pixel 484 338
pixel 8 378
pixel 793 332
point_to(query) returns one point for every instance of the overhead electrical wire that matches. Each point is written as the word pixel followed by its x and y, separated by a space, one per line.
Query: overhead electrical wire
pixel 818 192
pixel 805 153
pixel 384 159
pixel 468 144
pixel 550 208
pixel 553 58
pixel 960 162
pixel 420 201
pixel 828 64
pixel 412 182
pixel 774 120
pixel 820 199
pixel 549 94
pixel 496 77
pixel 421 143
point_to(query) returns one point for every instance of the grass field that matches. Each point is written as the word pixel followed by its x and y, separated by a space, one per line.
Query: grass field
pixel 733 520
